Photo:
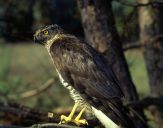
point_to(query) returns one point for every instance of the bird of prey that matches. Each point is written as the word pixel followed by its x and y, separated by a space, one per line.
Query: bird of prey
pixel 87 75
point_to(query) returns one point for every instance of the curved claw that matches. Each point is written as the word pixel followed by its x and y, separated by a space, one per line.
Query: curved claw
pixel 65 119
pixel 77 120
pixel 80 122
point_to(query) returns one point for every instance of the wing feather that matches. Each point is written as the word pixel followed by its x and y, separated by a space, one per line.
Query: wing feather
pixel 85 68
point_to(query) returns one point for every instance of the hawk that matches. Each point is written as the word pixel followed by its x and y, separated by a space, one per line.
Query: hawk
pixel 87 75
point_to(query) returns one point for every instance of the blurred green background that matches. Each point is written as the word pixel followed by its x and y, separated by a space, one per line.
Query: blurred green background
pixel 26 66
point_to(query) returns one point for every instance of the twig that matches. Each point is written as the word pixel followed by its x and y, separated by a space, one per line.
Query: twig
pixel 11 126
pixel 53 125
pixel 156 38
pixel 130 46
pixel 46 125
pixel 39 90
pixel 138 44
pixel 146 102
pixel 19 114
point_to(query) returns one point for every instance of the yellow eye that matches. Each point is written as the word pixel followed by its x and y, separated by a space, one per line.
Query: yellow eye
pixel 46 32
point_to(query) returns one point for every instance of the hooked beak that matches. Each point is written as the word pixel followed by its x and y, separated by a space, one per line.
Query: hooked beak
pixel 37 40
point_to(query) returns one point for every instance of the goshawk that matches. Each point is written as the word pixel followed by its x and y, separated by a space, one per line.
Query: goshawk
pixel 86 74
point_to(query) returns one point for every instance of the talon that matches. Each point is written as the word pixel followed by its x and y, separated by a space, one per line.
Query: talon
pixel 80 122
pixel 77 120
pixel 65 119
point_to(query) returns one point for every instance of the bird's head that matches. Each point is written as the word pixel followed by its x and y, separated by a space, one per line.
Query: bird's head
pixel 46 33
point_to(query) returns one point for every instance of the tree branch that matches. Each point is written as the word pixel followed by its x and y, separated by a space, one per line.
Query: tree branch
pixel 156 38
pixel 39 90
pixel 138 44
pixel 146 102
pixel 130 46
pixel 17 112
pixel 46 125
pixel 153 3
pixel 53 125
pixel 30 93
pixel 20 115
pixel 14 113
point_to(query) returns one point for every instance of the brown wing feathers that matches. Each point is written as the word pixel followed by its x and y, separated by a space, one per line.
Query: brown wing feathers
pixel 83 68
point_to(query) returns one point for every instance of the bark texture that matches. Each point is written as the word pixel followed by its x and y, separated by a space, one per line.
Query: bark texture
pixel 100 32
pixel 99 28
pixel 150 19
pixel 153 51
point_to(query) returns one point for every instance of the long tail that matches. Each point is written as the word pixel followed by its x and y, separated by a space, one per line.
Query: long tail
pixel 116 112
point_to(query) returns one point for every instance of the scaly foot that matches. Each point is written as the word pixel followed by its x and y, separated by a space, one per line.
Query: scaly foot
pixel 65 119
pixel 79 121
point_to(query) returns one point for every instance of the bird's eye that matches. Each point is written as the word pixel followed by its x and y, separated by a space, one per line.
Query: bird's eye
pixel 46 32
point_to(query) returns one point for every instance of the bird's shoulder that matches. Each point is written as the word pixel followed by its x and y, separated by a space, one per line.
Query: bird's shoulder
pixel 84 66
pixel 70 45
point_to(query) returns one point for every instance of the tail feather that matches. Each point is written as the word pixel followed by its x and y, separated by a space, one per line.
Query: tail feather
pixel 115 111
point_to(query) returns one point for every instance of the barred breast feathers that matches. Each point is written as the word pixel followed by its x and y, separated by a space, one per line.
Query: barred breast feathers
pixel 74 94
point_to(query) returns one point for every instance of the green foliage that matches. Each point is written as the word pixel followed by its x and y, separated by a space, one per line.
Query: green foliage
pixel 4 69
pixel 136 65
pixel 5 61
pixel 27 67
pixel 4 88
pixel 7 85
pixel 24 67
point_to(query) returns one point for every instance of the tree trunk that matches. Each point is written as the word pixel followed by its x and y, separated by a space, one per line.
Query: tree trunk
pixel 100 32
pixel 153 51
pixel 99 27
pixel 150 26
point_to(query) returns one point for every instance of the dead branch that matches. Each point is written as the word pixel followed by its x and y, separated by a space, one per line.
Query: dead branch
pixel 146 102
pixel 14 113
pixel 39 90
pixel 156 38
pixel 11 126
pixel 18 113
pixel 53 125
pixel 130 46
pixel 46 125
pixel 138 44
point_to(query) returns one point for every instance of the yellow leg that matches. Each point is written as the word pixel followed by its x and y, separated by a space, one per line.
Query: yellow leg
pixel 65 119
pixel 79 121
